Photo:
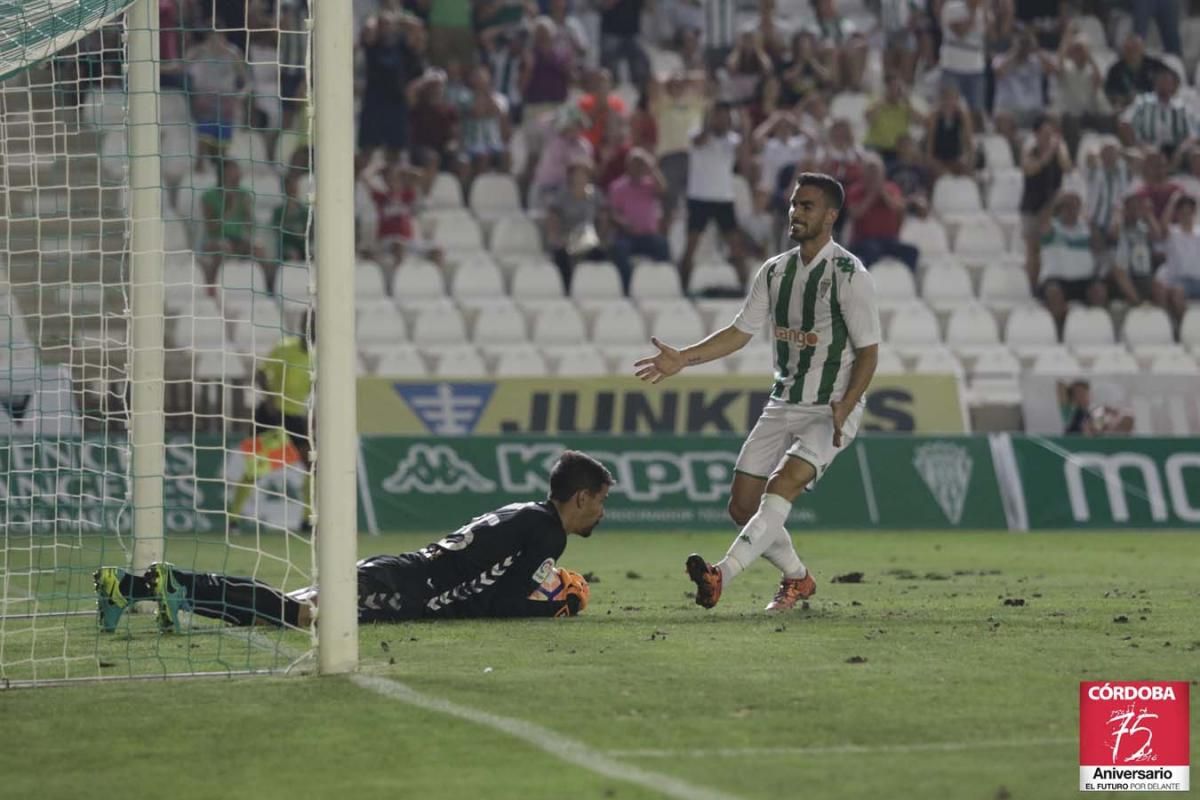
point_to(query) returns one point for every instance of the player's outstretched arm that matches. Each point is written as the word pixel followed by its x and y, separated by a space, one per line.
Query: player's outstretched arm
pixel 669 360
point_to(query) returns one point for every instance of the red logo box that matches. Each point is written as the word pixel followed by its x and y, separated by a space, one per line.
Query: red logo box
pixel 1133 736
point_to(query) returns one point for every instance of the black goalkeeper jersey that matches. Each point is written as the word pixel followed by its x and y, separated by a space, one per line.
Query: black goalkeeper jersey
pixel 487 568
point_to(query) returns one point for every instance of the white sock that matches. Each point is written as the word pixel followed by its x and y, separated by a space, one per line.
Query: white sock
pixel 782 553
pixel 763 529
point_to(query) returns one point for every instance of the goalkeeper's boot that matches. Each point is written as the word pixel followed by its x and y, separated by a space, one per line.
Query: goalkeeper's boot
pixel 110 602
pixel 707 579
pixel 172 597
pixel 792 591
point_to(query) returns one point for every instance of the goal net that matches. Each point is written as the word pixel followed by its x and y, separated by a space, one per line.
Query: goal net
pixel 156 362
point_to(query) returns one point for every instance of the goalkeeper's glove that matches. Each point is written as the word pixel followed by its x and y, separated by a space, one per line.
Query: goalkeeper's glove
pixel 575 590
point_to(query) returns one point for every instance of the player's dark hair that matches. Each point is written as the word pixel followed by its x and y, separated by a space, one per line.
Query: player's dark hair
pixel 835 195
pixel 575 471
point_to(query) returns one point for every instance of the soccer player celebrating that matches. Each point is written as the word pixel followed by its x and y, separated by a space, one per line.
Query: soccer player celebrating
pixel 821 304
pixel 501 564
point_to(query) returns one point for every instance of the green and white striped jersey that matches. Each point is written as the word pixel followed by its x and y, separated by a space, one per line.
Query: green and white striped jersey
pixel 1157 123
pixel 819 314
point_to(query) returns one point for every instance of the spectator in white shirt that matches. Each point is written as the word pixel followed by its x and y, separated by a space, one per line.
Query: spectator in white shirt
pixel 1159 118
pixel 1068 268
pixel 1019 75
pixel 962 53
pixel 1077 86
pixel 1178 282
pixel 715 152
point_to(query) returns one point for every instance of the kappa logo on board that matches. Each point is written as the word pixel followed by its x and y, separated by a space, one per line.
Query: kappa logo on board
pixel 435 469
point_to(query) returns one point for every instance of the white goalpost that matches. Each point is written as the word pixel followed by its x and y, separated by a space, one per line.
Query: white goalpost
pixel 161 256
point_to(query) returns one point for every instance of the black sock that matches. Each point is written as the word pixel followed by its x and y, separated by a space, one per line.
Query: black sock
pixel 239 601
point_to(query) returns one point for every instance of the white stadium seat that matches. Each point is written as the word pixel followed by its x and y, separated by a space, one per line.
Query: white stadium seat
pixel 913 325
pixel 1175 363
pixel 890 362
pixel 979 240
pixel 383 326
pixel 594 279
pixel 516 237
pixel 956 196
pixel 439 326
pixel 997 153
pixel 494 195
pixel 477 279
pixel 1189 327
pixel 1030 325
pixel 1057 361
pixel 621 357
pixel 1004 193
pixel 1005 391
pixel 679 328
pixel 619 324
pixel 940 362
pixel 520 363
pixel 971 326
pixel 1004 287
pixel 996 362
pixel 894 284
pixel 579 361
pixel 499 324
pixel 560 324
pixel 455 230
pixel 928 235
pixel 1086 326
pixel 537 279
pixel 446 192
pixel 457 361
pixel 946 286
pixel 655 280
pixel 417 278
pixel 713 275
pixel 401 362
pixel 368 280
pixel 1146 325
pixel 1115 363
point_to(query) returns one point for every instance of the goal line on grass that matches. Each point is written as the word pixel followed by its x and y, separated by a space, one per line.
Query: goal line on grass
pixel 836 749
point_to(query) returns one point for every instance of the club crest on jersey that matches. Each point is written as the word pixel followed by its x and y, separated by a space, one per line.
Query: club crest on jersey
pixel 801 339
pixel 823 288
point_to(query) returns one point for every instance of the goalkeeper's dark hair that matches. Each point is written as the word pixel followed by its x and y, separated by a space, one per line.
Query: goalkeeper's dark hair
pixel 575 471
pixel 835 195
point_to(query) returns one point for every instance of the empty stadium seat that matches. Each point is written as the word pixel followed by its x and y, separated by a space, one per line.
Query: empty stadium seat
pixel 1146 325
pixel 713 275
pixel 439 326
pixel 979 240
pixel 477 279
pixel 894 284
pixel 560 324
pixel 520 363
pixel 1174 363
pixel 1004 195
pixel 995 362
pixel 1088 326
pixel 446 192
pixel 1058 362
pixel 621 357
pixel 619 324
pixel 498 322
pixel 494 195
pixel 1030 325
pixel 537 279
pixel 947 286
pixel 455 230
pixel 971 326
pixel 595 279
pixel 516 237
pixel 997 153
pixel 580 361
pixel 293 283
pixel 994 391
pixel 457 361
pixel 261 328
pixel 368 280
pixel 1189 327
pixel 1115 363
pixel 655 280
pixel 956 196
pixel 928 235
pixel 417 279
pixel 221 365
pixel 913 325
pixel 678 327
pixel 1004 287
pixel 940 361
pixel 381 326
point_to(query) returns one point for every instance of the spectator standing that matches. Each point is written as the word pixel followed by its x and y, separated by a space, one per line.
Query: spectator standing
pixel 1178 282
pixel 1136 260
pixel 1020 74
pixel 780 144
pixel 876 207
pixel 505 54
pixel 899 21
pixel 635 210
pixel 1107 184
pixel 390 64
pixel 1078 81
pixel 600 105
pixel 1044 164
pixel 1132 74
pixel 804 73
pixel 451 32
pixel 570 37
pixel 950 135
pixel 435 124
pixel 1166 16
pixel 568 146
pixel 570 226
pixel 485 127
pixel 962 53
pixel 545 83
pixel 846 46
pixel 1069 271
pixel 678 106
pixel 715 152
pixel 620 29
pixel 890 117
pixel 218 83
pixel 746 68
pixel 909 172
pixel 1158 119
pixel 228 223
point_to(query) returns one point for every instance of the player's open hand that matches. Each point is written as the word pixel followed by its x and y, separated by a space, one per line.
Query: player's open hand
pixel 841 410
pixel 666 363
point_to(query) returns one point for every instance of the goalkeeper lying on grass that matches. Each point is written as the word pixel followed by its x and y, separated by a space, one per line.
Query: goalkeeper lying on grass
pixel 501 564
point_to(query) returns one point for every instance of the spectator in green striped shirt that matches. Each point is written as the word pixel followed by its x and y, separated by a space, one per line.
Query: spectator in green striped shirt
pixel 1159 119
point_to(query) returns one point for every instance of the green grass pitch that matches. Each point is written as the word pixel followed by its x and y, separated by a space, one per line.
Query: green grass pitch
pixel 929 678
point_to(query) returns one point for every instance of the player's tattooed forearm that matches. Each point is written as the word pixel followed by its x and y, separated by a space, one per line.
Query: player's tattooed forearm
pixel 692 360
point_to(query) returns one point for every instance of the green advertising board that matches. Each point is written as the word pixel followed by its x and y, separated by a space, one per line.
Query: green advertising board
pixel 666 482
pixel 1122 482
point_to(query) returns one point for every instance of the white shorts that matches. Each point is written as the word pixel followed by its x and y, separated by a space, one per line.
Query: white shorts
pixel 788 430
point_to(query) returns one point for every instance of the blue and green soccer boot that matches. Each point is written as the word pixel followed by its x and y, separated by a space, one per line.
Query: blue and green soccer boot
pixel 110 602
pixel 171 595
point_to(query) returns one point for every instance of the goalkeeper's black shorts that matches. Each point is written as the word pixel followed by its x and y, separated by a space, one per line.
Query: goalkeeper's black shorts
pixel 296 425
pixel 391 588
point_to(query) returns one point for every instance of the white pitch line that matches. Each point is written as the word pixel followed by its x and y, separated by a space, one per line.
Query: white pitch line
pixel 837 749
pixel 551 742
